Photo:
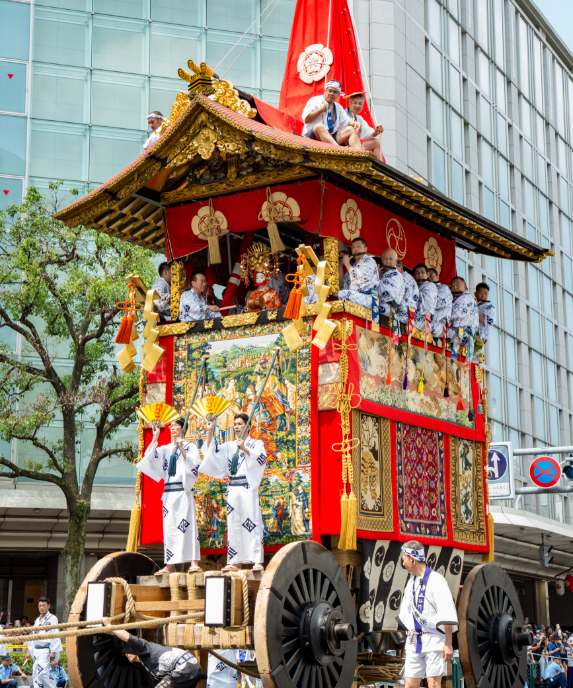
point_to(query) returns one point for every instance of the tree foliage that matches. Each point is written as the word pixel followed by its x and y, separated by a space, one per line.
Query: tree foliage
pixel 58 291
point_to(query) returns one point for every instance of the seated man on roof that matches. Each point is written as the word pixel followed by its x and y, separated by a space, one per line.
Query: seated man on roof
pixel 163 287
pixel 410 298
pixel 193 304
pixel 155 120
pixel 486 311
pixel 325 120
pixel 368 136
pixel 391 286
pixel 465 314
pixel 427 296
pixel 443 304
pixel 360 282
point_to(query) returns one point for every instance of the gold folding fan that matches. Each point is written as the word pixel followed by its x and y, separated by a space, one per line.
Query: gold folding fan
pixel 162 412
pixel 210 407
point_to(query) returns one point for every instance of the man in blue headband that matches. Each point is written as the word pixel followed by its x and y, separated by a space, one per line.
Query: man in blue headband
pixel 429 615
pixel 325 120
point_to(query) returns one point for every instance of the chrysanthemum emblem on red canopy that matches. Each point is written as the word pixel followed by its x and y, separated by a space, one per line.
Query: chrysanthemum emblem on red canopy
pixel 314 63
pixel 284 209
pixel 396 237
pixel 351 219
pixel 433 255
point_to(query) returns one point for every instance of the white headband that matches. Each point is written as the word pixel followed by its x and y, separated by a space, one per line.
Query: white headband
pixel 417 554
pixel 334 84
pixel 155 116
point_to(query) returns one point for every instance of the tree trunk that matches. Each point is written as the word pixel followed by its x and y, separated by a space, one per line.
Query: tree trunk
pixel 73 551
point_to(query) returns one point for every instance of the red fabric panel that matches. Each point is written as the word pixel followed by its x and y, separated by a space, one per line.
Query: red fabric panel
pixel 151 491
pixel 329 23
pixel 382 228
pixel 315 475
pixel 242 214
pixel 277 119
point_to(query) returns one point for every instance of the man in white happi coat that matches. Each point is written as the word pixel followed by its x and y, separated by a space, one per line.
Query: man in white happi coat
pixel 465 314
pixel 193 304
pixel 427 296
pixel 325 120
pixel 368 136
pixel 163 287
pixel 221 675
pixel 486 311
pixel 244 462
pixel 443 304
pixel 180 533
pixel 411 295
pixel 360 283
pixel 391 287
pixel 44 651
pixel 428 613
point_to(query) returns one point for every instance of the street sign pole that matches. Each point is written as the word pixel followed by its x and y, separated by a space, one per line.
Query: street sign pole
pixel 500 471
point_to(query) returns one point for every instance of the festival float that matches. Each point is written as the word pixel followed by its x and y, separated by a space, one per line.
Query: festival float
pixel 374 435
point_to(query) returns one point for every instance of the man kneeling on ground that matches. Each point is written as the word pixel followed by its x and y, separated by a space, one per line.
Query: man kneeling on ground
pixel 170 665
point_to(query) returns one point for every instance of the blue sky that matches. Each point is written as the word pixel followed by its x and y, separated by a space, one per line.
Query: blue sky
pixel 559 15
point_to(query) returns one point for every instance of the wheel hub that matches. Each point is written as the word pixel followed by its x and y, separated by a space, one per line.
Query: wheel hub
pixel 508 639
pixel 324 633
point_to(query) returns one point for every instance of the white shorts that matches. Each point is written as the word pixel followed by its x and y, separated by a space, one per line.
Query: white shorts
pixel 423 664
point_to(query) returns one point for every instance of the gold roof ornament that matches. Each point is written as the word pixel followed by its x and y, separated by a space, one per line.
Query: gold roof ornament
pixel 205 82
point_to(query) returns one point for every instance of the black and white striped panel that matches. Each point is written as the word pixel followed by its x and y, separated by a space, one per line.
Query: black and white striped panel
pixel 383 579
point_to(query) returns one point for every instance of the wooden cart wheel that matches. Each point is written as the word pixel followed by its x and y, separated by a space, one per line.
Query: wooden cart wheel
pixel 97 661
pixel 305 621
pixel 492 642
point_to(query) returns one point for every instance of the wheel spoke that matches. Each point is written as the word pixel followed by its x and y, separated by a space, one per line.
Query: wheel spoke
pixel 304 587
pixel 101 641
pixel 290 631
pixel 310 584
pixel 293 660
pixel 106 672
pixel 324 588
pixel 296 592
pixel 486 607
pixel 482 634
pixel 335 675
pixel 500 596
pixel 291 617
pixel 299 669
pixel 326 677
pixel 318 681
pixel 104 657
pixel 493 675
pixel 333 595
pixel 317 582
pixel 115 678
pixel 294 604
pixel 131 669
pixel 505 603
pixel 291 645
pixel 491 598
pixel 306 675
pixel 485 657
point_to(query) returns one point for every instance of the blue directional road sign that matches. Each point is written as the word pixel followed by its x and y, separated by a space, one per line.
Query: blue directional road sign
pixel 499 471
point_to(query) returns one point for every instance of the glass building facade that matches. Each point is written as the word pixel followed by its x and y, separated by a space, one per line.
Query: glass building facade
pixel 476 97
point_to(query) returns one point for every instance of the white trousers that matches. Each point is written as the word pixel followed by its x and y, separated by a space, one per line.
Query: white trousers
pixel 41 672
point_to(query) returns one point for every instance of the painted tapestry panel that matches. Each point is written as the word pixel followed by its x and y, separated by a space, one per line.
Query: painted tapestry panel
pixel 466 491
pixel 373 360
pixel 237 364
pixel 372 472
pixel 420 475
pixel 383 579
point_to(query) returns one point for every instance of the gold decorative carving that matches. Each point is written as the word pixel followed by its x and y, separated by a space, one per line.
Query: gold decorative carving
pixel 241 319
pixel 265 178
pixel 232 167
pixel 203 82
pixel 178 277
pixel 175 328
pixel 229 97
pixel 331 257
pixel 272 315
pixel 358 311
pixel 417 334
pixel 181 104
pixel 208 323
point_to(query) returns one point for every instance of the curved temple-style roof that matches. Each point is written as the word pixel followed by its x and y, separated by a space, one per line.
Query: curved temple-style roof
pixel 130 204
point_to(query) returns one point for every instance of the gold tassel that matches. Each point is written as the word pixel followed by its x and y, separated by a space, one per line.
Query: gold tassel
pixel 489 557
pixel 352 521
pixel 276 242
pixel 421 386
pixel 214 250
pixel 135 519
pixel 343 521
